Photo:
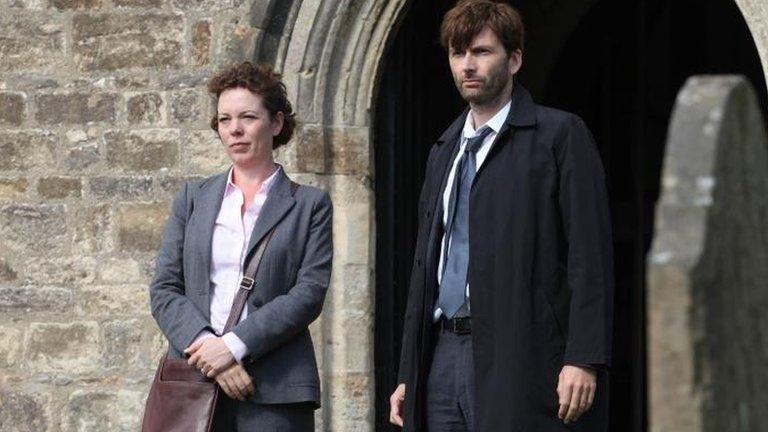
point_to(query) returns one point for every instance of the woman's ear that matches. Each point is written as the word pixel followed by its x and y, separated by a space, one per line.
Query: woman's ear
pixel 277 123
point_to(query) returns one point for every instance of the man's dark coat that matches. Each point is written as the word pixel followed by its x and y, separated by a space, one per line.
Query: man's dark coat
pixel 540 271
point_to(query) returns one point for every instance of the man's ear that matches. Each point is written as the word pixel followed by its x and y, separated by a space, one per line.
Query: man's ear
pixel 515 61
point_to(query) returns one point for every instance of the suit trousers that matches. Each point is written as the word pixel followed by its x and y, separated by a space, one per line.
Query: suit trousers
pixel 235 416
pixel 450 398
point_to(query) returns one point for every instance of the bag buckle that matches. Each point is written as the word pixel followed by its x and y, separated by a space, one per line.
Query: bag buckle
pixel 247 283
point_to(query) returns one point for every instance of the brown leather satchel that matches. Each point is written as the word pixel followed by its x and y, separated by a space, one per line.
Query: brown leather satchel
pixel 181 398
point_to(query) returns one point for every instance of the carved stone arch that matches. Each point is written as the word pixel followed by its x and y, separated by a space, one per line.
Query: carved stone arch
pixel 755 13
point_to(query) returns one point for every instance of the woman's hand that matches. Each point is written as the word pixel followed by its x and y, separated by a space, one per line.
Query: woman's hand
pixel 236 382
pixel 210 355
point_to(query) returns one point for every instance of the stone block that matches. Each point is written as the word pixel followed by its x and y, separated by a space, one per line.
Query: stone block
pixel 107 42
pixel 121 188
pixel 64 270
pixel 119 270
pixel 171 184
pixel 13 108
pixel 205 5
pixel 7 273
pixel 332 150
pixel 236 41
pixel 76 108
pixel 131 343
pixel 11 341
pixel 76 4
pixel 142 150
pixel 138 3
pixel 92 226
pixel 12 189
pixel 141 226
pixel 103 410
pixel 82 148
pixel 204 153
pixel 59 187
pixel 201 43
pixel 24 412
pixel 145 109
pixel 57 347
pixel 30 41
pixel 23 150
pixel 186 107
pixel 28 4
pixel 112 300
pixel 28 228
pixel 35 299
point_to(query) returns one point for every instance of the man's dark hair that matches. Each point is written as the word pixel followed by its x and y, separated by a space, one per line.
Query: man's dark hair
pixel 469 17
pixel 264 82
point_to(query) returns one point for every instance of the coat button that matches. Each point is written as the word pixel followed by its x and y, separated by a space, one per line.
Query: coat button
pixel 418 262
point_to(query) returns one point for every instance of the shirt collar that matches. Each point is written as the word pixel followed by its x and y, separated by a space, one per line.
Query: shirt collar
pixel 495 123
pixel 265 187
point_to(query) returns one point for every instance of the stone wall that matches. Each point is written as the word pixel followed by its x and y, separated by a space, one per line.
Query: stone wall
pixel 104 114
pixel 708 331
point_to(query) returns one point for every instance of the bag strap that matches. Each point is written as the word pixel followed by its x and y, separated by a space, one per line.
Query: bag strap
pixel 249 276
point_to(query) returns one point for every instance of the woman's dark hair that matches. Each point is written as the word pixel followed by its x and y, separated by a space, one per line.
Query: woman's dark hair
pixel 260 80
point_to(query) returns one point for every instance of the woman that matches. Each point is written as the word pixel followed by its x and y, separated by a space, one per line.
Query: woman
pixel 266 363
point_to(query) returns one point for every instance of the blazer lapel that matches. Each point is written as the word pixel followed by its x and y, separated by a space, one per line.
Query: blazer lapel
pixel 278 202
pixel 207 206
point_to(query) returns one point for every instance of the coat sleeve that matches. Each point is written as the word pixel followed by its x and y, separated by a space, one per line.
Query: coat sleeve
pixel 286 315
pixel 585 216
pixel 178 318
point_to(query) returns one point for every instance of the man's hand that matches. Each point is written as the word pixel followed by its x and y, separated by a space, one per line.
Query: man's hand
pixel 210 355
pixel 396 406
pixel 576 391
pixel 236 382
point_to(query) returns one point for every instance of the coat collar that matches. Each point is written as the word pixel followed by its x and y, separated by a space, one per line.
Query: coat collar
pixel 522 113
pixel 279 201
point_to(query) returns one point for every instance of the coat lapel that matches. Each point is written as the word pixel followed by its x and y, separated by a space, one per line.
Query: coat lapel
pixel 207 206
pixel 278 202
pixel 522 113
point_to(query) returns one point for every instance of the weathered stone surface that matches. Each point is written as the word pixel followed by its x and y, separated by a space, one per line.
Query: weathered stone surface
pixel 186 107
pixel 204 153
pixel 145 109
pixel 119 41
pixel 75 108
pixel 205 5
pixel 23 150
pixel 30 42
pixel 82 148
pixel 76 4
pixel 184 79
pixel 66 270
pixel 706 271
pixel 92 225
pixel 28 228
pixel 236 42
pixel 138 3
pixel 113 300
pixel 12 189
pixel 201 43
pixel 59 187
pixel 13 109
pixel 120 270
pixel 97 410
pixel 332 150
pixel 171 184
pixel 141 226
pixel 45 299
pixel 28 4
pixel 130 343
pixel 121 188
pixel 350 397
pixel 24 412
pixel 11 344
pixel 7 273
pixel 58 347
pixel 142 150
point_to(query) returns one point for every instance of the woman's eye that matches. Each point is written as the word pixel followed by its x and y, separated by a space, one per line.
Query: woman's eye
pixel 223 120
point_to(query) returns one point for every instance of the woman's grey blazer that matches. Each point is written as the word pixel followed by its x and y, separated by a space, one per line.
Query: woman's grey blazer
pixel 287 296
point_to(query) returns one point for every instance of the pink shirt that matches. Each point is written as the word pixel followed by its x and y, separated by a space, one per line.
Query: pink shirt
pixel 231 234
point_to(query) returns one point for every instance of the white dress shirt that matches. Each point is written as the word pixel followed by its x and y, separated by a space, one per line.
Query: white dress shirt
pixel 231 234
pixel 469 131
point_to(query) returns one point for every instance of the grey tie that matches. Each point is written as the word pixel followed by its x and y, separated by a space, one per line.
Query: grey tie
pixel 456 252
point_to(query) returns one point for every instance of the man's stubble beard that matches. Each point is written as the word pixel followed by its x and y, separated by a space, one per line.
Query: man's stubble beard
pixel 490 91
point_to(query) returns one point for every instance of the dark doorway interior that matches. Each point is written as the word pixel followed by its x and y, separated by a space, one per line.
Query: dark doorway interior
pixel 619 65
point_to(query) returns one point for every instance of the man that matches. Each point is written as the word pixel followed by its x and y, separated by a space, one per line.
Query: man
pixel 508 325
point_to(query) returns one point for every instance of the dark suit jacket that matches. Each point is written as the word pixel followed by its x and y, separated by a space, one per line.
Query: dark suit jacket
pixel 288 294
pixel 540 270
